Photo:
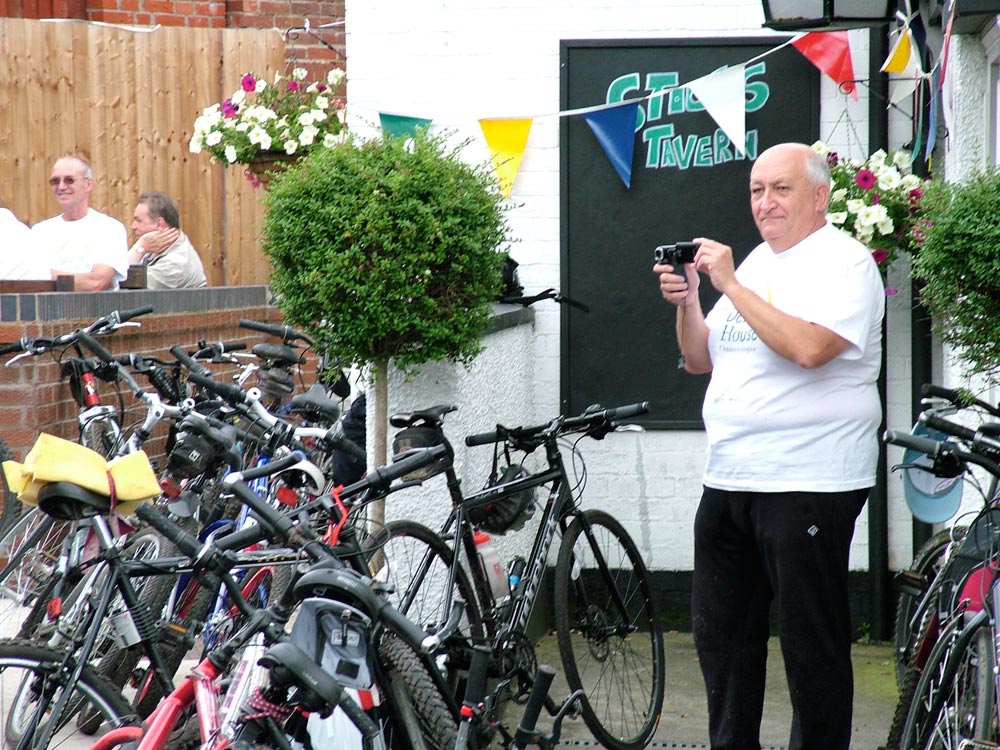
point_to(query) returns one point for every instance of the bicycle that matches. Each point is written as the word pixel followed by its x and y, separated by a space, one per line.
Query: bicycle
pixel 954 702
pixel 604 615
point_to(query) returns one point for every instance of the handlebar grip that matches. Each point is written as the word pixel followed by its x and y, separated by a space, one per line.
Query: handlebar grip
pixel 475 686
pixel 129 314
pixel 17 346
pixel 230 393
pixel 631 410
pixel 339 441
pixel 243 538
pixel 920 444
pixel 533 708
pixel 361 720
pixel 482 438
pixel 938 391
pixel 185 359
pixel 379 479
pixel 98 350
pixel 220 348
pixel 186 543
pixel 271 467
pixel 261 327
pixel 948 427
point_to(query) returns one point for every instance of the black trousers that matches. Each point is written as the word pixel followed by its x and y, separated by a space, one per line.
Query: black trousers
pixel 750 548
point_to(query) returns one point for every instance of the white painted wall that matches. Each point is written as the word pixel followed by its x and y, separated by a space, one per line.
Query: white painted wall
pixel 456 61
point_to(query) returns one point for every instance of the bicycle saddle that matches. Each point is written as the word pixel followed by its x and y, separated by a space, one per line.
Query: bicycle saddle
pixel 315 405
pixel 434 415
pixel 71 502
pixel 278 354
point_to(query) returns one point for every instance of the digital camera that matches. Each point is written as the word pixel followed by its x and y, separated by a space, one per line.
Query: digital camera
pixel 676 254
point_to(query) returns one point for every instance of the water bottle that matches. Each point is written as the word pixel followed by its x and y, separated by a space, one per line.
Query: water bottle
pixel 517 567
pixel 491 564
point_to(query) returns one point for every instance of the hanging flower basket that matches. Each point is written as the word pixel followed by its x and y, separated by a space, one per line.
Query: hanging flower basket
pixel 262 168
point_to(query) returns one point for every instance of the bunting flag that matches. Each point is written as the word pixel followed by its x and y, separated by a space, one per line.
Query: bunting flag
pixel 723 94
pixel 903 61
pixel 830 51
pixel 506 139
pixel 614 128
pixel 401 125
pixel 946 45
pixel 932 109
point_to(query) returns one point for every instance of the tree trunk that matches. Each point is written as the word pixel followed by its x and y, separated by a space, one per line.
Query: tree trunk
pixel 376 511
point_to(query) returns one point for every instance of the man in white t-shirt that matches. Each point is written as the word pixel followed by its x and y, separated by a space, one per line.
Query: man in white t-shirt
pixel 81 241
pixel 791 415
pixel 17 261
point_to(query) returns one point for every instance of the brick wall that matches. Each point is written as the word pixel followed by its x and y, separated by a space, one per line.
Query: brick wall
pixel 316 51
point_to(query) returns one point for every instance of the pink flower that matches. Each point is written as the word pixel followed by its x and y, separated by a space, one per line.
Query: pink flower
pixel 293 85
pixel 865 179
pixel 916 194
pixel 875 199
pixel 880 256
pixel 228 110
pixel 249 83
pixel 890 292
pixel 832 159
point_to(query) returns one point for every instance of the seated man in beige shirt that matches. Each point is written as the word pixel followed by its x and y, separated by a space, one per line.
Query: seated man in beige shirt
pixel 171 262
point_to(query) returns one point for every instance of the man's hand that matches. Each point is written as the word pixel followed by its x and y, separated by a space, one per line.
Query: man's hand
pixel 715 260
pixel 678 286
pixel 154 243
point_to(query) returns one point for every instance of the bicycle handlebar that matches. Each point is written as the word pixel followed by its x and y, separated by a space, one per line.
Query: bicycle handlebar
pixel 285 333
pixel 592 418
pixel 957 398
pixel 232 393
pixel 937 449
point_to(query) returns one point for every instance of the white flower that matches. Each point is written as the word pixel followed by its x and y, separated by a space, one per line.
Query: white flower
pixel 290 146
pixel 308 135
pixel 312 88
pixel 888 178
pixel 910 181
pixel 838 217
pixel 306 119
pixel 856 205
pixel 194 146
pixel 330 140
pixel 238 97
pixel 877 159
pixel 820 148
pixel 260 85
pixel 231 154
pixel 885 226
pixel 838 195
pixel 869 216
pixel 322 102
pixel 213 138
pixel 299 74
pixel 318 115
pixel 242 127
pixel 261 137
pixel 334 77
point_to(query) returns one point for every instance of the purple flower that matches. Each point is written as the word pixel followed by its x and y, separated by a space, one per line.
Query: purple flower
pixel 865 179
pixel 890 292
pixel 293 85
pixel 832 159
pixel 249 83
pixel 916 194
pixel 228 110
pixel 880 256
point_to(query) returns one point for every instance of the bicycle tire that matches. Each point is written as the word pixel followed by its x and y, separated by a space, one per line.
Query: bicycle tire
pixel 603 655
pixel 421 597
pixel 926 564
pixel 28 551
pixel 413 694
pixel 12 505
pixel 32 679
pixel 954 697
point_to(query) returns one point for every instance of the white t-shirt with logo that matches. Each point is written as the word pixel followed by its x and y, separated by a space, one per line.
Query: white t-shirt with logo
pixel 773 426
pixel 77 246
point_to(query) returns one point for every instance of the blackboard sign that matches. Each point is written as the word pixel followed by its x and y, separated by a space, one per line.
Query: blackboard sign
pixel 687 181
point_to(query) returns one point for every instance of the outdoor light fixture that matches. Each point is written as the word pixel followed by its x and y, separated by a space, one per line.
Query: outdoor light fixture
pixel 827 15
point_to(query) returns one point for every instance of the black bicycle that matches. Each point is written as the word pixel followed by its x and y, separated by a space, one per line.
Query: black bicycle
pixel 608 635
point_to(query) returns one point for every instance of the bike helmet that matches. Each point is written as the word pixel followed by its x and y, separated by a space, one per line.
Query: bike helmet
pixel 503 514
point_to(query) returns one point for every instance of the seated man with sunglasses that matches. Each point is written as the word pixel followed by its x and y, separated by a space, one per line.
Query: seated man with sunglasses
pixel 81 241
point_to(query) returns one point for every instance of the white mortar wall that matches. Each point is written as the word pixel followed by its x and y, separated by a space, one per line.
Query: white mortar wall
pixel 460 60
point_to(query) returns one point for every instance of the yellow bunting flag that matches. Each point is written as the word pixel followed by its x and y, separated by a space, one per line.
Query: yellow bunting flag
pixel 507 139
pixel 899 58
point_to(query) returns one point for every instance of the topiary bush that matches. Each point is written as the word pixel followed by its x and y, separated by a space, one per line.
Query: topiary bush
pixel 387 249
pixel 959 263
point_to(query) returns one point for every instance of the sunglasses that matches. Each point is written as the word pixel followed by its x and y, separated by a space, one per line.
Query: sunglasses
pixel 54 181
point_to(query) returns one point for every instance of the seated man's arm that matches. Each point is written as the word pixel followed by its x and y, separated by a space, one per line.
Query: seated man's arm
pixel 97 279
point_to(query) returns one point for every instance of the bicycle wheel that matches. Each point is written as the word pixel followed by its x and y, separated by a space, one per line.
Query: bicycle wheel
pixel 420 718
pixel 923 570
pixel 33 682
pixel 417 567
pixel 12 506
pixel 616 656
pixel 28 552
pixel 953 704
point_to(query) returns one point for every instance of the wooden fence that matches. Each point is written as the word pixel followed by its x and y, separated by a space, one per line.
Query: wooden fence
pixel 126 100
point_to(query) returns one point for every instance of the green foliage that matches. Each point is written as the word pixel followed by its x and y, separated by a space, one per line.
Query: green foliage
pixel 387 249
pixel 959 262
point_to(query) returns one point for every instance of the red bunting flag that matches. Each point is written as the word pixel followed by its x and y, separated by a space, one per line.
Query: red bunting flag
pixel 830 51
